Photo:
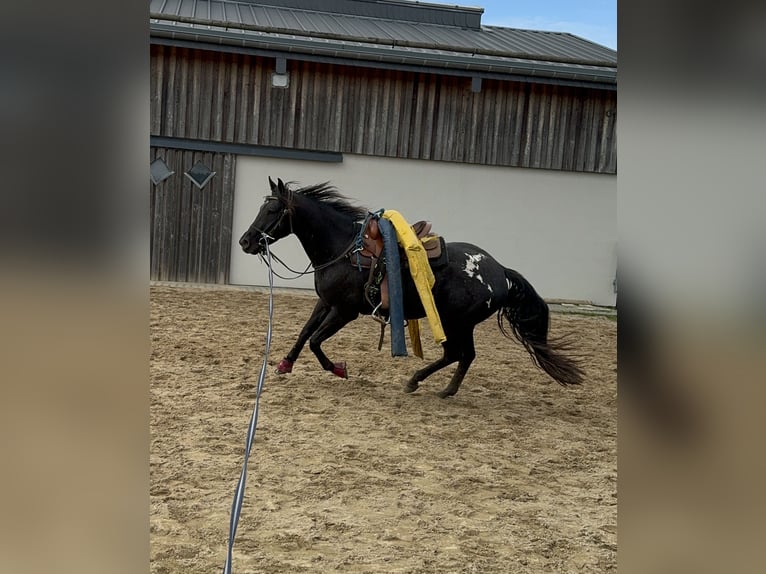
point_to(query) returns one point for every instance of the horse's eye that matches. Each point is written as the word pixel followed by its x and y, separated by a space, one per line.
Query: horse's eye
pixel 270 204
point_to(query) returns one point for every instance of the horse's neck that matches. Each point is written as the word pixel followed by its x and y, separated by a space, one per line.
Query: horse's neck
pixel 323 232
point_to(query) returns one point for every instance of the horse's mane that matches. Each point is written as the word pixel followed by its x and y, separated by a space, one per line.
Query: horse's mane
pixel 329 195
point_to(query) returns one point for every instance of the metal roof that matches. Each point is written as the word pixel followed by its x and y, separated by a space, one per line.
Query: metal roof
pixel 393 31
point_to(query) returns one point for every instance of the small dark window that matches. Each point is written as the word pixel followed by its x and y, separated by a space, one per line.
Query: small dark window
pixel 200 174
pixel 159 171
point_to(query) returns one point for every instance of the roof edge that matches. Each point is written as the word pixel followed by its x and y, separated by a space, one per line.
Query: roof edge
pixel 377 56
pixel 194 21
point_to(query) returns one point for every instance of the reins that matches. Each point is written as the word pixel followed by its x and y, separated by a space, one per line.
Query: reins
pixel 298 274
pixel 352 247
pixel 236 506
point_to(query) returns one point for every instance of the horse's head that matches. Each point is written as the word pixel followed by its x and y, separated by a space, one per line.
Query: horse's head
pixel 273 221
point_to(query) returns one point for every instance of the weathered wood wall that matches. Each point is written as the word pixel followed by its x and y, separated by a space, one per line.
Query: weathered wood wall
pixel 190 236
pixel 229 98
pixel 223 97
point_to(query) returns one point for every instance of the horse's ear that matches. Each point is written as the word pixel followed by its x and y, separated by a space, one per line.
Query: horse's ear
pixel 273 186
pixel 281 186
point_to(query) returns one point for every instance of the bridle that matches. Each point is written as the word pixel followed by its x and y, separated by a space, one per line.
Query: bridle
pixel 266 233
pixel 354 245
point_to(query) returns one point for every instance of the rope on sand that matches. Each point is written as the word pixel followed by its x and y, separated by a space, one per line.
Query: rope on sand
pixel 236 506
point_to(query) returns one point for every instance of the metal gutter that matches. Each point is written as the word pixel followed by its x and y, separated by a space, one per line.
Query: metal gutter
pixel 231 49
pixel 442 61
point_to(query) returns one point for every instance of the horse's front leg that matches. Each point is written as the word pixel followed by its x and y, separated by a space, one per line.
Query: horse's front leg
pixel 321 309
pixel 333 322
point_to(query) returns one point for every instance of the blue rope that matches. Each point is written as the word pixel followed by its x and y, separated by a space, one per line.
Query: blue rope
pixel 239 494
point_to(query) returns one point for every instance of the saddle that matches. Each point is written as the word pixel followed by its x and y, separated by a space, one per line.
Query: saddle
pixel 372 240
pixel 370 257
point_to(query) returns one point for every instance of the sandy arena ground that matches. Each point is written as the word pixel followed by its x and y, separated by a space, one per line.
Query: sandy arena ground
pixel 513 474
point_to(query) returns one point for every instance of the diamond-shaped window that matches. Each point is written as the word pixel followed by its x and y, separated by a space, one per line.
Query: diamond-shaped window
pixel 200 174
pixel 159 171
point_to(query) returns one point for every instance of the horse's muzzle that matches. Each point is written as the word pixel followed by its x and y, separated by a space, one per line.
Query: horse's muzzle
pixel 248 245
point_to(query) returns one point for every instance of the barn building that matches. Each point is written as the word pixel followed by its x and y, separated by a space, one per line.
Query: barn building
pixel 501 137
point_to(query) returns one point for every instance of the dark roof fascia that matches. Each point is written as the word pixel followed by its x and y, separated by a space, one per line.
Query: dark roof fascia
pixel 353 53
pixel 231 49
pixel 244 149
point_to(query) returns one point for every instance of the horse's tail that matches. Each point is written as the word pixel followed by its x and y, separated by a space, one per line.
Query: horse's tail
pixel 527 314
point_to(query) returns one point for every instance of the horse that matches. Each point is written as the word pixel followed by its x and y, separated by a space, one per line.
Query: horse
pixel 470 288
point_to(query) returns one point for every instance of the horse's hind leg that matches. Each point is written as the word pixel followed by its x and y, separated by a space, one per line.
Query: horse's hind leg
pixel 467 355
pixel 332 323
pixel 321 309
pixel 449 356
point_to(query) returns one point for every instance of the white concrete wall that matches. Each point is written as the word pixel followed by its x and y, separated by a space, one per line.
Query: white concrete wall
pixel 559 229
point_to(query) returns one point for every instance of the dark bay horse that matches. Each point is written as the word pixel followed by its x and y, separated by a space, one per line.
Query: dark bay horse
pixel 468 290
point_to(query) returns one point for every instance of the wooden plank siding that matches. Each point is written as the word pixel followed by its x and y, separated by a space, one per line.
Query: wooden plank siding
pixel 190 238
pixel 228 98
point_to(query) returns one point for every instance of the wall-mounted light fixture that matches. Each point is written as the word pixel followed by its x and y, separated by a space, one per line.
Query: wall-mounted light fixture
pixel 279 77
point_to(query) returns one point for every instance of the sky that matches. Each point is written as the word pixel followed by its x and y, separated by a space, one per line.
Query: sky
pixel 594 20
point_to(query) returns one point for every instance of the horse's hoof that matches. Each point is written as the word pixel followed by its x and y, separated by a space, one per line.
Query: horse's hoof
pixel 411 387
pixel 339 370
pixel 445 393
pixel 285 366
